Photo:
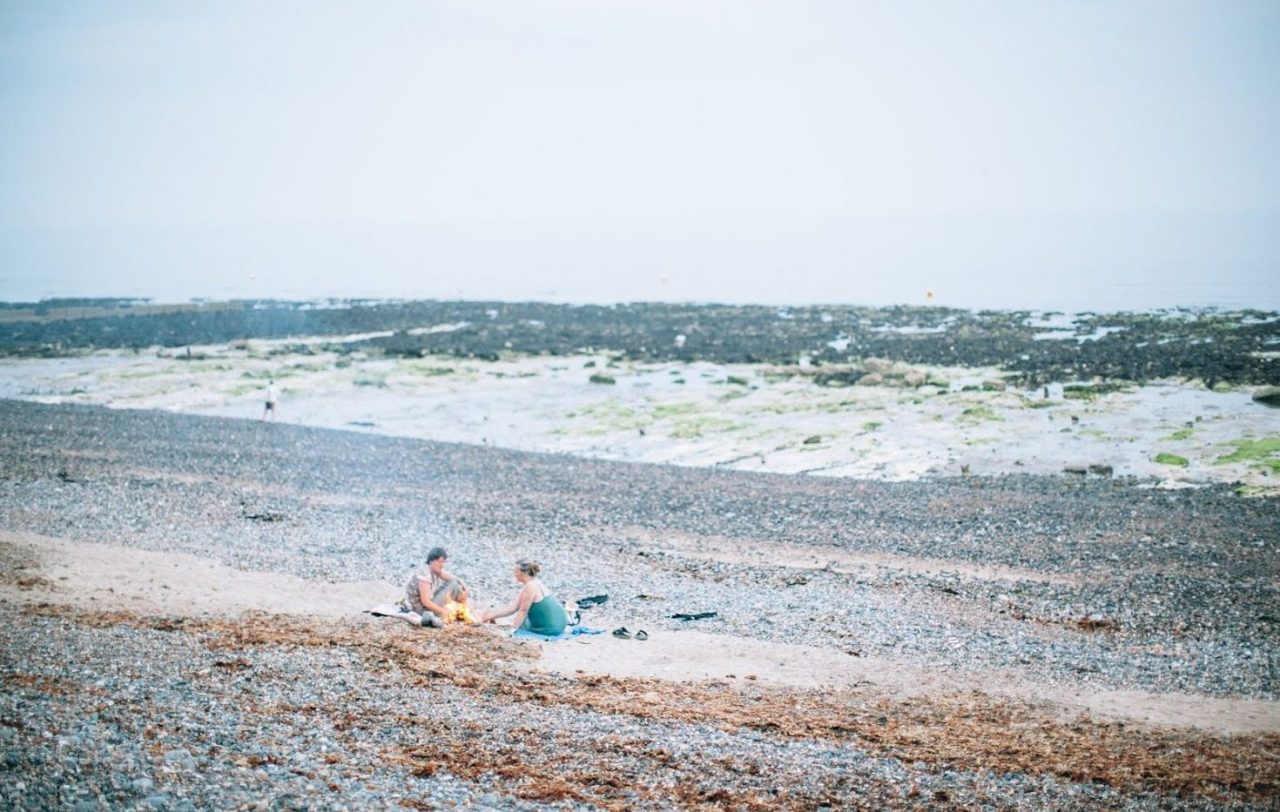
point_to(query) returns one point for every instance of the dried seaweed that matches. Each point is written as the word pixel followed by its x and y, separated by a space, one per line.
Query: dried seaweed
pixel 960 731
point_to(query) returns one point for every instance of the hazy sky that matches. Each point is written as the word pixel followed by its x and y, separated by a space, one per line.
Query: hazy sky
pixel 1054 154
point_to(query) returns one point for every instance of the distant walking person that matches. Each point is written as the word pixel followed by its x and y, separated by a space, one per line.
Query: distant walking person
pixel 269 406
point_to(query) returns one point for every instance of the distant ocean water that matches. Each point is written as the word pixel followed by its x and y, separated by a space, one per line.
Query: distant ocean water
pixel 1069 266
pixel 1131 296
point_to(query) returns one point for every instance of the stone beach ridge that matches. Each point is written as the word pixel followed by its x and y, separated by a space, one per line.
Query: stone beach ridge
pixel 1077 586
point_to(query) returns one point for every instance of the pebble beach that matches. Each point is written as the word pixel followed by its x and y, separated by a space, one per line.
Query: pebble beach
pixel 1092 614
pixel 184 591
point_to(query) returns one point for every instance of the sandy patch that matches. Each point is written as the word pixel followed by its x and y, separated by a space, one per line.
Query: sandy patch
pixel 38 569
pixel 101 577
pixel 692 655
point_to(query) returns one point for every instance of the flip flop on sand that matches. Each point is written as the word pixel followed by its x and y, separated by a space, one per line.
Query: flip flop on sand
pixel 642 635
pixel 594 600
pixel 622 632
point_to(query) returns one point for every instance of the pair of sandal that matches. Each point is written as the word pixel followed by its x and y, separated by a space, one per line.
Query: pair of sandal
pixel 625 634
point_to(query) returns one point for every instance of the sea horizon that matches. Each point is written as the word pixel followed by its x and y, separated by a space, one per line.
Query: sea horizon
pixel 1226 303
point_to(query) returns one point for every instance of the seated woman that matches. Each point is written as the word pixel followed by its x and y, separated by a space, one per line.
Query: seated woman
pixel 431 590
pixel 534 608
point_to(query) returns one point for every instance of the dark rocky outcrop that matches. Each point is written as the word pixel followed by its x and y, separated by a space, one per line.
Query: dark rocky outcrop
pixel 1218 348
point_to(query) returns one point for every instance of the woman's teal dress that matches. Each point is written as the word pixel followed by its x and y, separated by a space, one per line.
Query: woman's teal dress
pixel 546 616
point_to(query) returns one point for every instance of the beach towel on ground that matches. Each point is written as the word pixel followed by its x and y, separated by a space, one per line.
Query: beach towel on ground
pixel 396 611
pixel 572 631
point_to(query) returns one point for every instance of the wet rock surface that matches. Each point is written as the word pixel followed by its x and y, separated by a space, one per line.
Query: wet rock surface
pixel 1215 347
pixel 1138 589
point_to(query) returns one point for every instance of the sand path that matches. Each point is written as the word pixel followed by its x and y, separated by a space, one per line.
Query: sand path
pixel 38 569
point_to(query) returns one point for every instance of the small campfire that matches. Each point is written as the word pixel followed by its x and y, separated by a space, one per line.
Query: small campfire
pixel 455 612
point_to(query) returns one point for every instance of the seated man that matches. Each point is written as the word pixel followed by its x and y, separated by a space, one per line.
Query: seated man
pixel 431 589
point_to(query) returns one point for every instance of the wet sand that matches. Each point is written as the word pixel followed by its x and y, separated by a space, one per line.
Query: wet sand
pixel 1168 434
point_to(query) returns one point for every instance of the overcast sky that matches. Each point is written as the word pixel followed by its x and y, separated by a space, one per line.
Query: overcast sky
pixel 1054 154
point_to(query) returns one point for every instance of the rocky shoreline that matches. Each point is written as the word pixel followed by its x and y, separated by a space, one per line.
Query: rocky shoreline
pixel 1223 348
pixel 1081 585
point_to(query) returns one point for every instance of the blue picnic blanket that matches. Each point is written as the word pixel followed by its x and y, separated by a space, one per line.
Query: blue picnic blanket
pixel 569 633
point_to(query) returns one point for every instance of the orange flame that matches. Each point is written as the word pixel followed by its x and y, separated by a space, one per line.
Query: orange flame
pixel 458 613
